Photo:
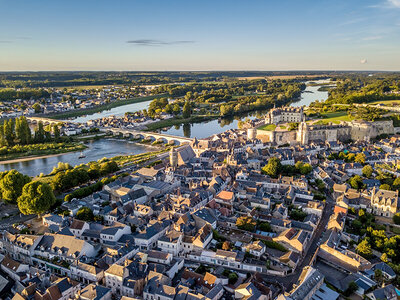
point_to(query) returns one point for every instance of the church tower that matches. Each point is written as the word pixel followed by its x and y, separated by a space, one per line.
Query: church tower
pixel 173 158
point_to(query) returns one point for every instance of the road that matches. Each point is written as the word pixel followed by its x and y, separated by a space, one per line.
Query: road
pixel 287 282
pixel 20 218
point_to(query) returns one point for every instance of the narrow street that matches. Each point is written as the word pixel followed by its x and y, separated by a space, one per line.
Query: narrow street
pixel 288 281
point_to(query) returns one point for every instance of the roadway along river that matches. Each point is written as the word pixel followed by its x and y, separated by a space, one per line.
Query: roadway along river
pixel 97 150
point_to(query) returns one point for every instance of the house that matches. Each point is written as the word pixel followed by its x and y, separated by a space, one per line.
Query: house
pixel 62 289
pixel 203 237
pixel 52 219
pixel 95 292
pixel 205 216
pixel 384 203
pixel 78 227
pixel 388 293
pixel 225 199
pixel 20 246
pixel 256 248
pixel 86 273
pixel 280 212
pixel 16 270
pixel 114 233
pixel 147 238
pixel 248 291
pixel 158 287
pixel 63 247
pixel 294 239
pixel 171 242
pixel 336 221
pixel 387 271
pixel 159 257
pixel 114 277
pixel 310 281
pixel 134 283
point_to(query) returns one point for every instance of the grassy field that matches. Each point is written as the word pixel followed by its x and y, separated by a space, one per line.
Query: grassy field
pixel 84 87
pixel 39 150
pixel 267 127
pixel 178 121
pixel 99 108
pixel 386 102
pixel 336 117
pixel 280 77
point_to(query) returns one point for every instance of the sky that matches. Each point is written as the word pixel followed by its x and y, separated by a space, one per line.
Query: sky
pixel 172 35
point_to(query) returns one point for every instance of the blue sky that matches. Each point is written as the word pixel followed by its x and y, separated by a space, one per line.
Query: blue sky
pixel 200 35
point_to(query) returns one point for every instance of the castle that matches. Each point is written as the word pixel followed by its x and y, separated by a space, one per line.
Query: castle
pixel 284 115
pixel 315 132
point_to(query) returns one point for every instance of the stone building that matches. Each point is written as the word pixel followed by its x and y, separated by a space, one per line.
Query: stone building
pixel 314 132
pixel 284 115
pixel 385 203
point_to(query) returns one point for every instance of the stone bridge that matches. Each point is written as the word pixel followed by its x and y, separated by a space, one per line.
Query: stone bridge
pixel 154 136
pixel 46 121
pixel 129 133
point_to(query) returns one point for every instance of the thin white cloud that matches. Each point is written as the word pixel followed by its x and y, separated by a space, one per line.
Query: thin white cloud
pixel 395 3
pixel 387 4
pixel 372 38
pixel 151 42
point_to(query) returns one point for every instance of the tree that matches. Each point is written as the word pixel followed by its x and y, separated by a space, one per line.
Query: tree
pixel 364 249
pixel 356 182
pixel 384 257
pixel 36 198
pixel 385 187
pixel 351 288
pixel 37 107
pixel 305 168
pixel 367 171
pixel 226 246
pixel 232 278
pixel 176 109
pixel 360 158
pixel 9 132
pixel 187 130
pixel 85 214
pixel 273 167
pixel 265 226
pixel 187 110
pixel 40 133
pixel 396 183
pixel 378 275
pixel 396 218
pixel 11 185
pixel 56 131
pixel 246 223
pixel 293 126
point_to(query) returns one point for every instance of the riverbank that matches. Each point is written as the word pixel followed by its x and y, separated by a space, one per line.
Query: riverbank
pixel 31 153
pixel 18 160
pixel 100 108
pixel 179 121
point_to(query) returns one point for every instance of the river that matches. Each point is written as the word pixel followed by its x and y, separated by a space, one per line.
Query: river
pixel 109 148
pixel 95 151
pixel 116 111
pixel 206 129
pixel 310 94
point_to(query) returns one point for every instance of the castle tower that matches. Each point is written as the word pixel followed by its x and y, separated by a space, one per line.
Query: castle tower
pixel 173 158
pixel 251 133
pixel 302 133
